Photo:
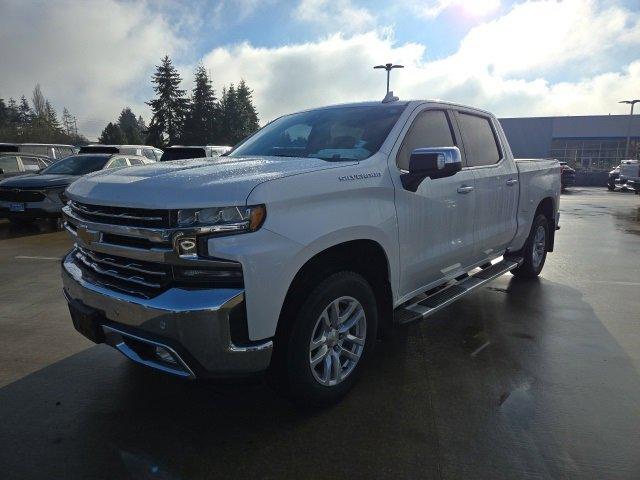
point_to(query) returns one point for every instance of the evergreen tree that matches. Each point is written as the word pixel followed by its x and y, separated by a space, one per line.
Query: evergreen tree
pixel 247 114
pixel 67 122
pixel 201 123
pixel 129 127
pixel 142 126
pixel 228 115
pixel 169 107
pixel 51 118
pixel 25 115
pixel 112 135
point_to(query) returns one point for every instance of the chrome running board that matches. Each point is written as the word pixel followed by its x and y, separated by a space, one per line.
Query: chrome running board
pixel 423 305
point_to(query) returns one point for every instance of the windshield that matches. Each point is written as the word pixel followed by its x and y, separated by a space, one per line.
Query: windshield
pixel 349 133
pixel 181 153
pixel 77 165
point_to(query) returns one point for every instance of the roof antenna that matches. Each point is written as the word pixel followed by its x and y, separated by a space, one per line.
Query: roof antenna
pixel 389 97
pixel 388 67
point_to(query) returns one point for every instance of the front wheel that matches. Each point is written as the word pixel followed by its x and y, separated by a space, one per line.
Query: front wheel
pixel 535 249
pixel 330 340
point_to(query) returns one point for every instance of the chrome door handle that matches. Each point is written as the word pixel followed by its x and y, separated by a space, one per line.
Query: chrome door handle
pixel 465 189
pixel 512 181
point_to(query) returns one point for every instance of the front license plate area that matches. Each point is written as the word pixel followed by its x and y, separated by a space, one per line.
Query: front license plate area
pixel 16 207
pixel 87 321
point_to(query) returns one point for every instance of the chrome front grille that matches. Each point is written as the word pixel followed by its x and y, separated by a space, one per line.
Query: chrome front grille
pixel 131 276
pixel 140 260
pixel 134 217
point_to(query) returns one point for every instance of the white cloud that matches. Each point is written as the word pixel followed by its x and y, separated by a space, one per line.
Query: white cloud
pixel 433 8
pixel 501 65
pixel 94 57
pixel 337 15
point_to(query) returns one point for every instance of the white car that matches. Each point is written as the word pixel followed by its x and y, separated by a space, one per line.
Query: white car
pixel 290 253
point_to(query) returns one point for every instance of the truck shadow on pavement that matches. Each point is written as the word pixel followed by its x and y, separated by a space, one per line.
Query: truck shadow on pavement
pixel 10 230
pixel 521 378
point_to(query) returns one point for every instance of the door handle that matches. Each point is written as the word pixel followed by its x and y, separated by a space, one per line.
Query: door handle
pixel 512 181
pixel 465 189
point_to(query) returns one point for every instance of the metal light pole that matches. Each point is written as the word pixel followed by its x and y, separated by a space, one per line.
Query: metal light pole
pixel 632 103
pixel 388 67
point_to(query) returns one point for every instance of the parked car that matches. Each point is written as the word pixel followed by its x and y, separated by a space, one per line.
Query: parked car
pixel 12 164
pixel 51 150
pixel 619 175
pixel 9 148
pixel 567 175
pixel 150 153
pixel 41 195
pixel 613 178
pixel 180 152
pixel 292 253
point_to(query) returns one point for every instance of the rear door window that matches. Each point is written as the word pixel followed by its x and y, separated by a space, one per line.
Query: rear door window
pixel 136 161
pixel 430 129
pixel 480 144
pixel 118 162
pixel 30 164
pixel 149 153
pixel 9 164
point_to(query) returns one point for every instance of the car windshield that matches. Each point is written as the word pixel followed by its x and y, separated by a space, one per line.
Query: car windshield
pixel 77 165
pixel 339 133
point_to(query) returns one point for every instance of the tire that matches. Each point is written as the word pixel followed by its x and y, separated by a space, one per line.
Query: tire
pixel 322 385
pixel 534 258
pixel 610 188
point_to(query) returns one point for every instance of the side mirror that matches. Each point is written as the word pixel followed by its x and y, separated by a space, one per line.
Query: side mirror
pixel 438 162
pixel 435 162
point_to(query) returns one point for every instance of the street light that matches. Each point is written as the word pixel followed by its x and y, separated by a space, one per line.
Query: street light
pixel 388 67
pixel 632 103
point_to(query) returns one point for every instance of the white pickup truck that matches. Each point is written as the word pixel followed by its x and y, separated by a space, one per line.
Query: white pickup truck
pixel 290 253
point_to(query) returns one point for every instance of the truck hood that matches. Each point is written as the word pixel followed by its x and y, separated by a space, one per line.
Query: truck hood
pixel 190 183
pixel 34 180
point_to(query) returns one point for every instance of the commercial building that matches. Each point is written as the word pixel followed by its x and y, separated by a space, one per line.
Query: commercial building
pixel 592 144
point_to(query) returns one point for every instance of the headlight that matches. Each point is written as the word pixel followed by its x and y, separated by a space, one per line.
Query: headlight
pixel 224 219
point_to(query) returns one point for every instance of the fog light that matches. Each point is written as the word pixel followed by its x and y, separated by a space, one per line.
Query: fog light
pixel 164 355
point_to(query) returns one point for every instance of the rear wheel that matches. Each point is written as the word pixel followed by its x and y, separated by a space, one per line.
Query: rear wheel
pixel 535 249
pixel 330 340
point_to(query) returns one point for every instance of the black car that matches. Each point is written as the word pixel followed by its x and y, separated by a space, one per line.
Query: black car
pixel 13 164
pixel 568 175
pixel 41 195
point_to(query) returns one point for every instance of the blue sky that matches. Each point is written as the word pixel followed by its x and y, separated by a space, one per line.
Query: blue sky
pixel 516 58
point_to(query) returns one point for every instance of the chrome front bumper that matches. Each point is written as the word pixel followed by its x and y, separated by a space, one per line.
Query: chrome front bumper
pixel 193 324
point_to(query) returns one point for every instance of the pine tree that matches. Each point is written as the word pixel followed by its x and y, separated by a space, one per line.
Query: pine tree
pixel 67 122
pixel 112 135
pixel 169 107
pixel 129 127
pixel 201 122
pixel 228 115
pixel 247 114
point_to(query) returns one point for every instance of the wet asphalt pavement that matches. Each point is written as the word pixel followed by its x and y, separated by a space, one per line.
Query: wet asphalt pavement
pixel 522 379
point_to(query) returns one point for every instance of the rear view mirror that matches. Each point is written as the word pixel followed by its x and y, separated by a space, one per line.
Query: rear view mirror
pixel 434 163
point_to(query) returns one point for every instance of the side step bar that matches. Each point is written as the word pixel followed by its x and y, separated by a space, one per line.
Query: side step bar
pixel 423 306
